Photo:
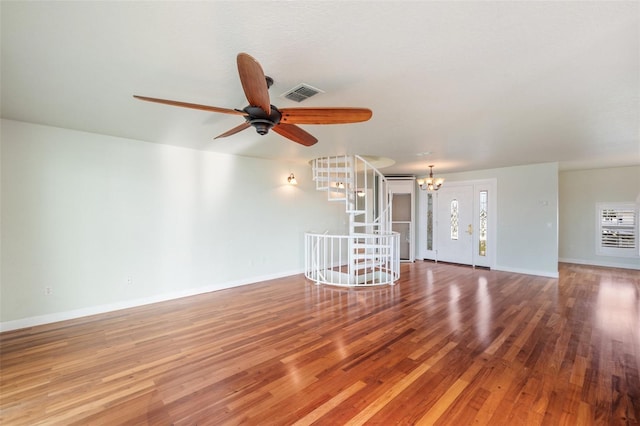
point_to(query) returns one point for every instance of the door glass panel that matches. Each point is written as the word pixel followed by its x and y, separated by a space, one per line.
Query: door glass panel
pixel 404 229
pixel 482 249
pixel 454 219
pixel 429 221
pixel 401 207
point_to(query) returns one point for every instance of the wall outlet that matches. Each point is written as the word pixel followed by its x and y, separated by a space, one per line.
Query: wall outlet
pixel 129 280
pixel 48 291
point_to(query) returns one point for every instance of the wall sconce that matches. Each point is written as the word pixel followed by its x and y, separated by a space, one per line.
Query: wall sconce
pixel 292 179
pixel 430 183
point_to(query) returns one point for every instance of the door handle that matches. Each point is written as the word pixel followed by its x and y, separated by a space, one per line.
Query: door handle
pixel 470 230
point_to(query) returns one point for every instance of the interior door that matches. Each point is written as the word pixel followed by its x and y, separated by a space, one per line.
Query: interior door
pixel 402 212
pixel 455 224
pixel 401 223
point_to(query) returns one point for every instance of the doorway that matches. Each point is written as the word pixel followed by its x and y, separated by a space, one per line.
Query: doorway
pixel 454 234
pixel 459 223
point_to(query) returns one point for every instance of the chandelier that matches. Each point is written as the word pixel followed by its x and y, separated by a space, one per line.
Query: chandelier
pixel 430 183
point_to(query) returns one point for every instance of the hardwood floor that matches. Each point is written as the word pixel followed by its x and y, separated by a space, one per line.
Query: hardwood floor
pixel 447 345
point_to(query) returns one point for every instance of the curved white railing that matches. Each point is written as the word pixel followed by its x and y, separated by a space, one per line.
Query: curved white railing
pixel 369 254
pixel 352 260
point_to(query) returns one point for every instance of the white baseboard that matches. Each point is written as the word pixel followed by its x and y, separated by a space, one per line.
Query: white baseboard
pixel 93 310
pixel 600 263
pixel 516 270
pixel 550 274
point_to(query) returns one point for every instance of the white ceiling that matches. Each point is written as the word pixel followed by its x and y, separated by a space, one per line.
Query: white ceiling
pixel 477 84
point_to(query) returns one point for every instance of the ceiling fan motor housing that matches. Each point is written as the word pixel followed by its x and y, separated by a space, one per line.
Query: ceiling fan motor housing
pixel 262 121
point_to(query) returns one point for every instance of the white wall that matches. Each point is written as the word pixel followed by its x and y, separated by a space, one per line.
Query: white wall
pixel 580 190
pixel 527 229
pixel 83 212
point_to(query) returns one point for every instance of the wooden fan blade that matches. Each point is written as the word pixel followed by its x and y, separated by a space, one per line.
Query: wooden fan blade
pixel 295 133
pixel 324 115
pixel 193 106
pixel 254 83
pixel 234 130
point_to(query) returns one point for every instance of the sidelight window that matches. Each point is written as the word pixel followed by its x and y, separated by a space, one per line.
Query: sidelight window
pixel 429 221
pixel 482 237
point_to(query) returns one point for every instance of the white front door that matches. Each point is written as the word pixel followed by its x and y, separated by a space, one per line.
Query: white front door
pixel 455 224
pixel 459 223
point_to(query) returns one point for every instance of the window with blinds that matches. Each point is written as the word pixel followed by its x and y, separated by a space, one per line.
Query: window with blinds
pixel 617 229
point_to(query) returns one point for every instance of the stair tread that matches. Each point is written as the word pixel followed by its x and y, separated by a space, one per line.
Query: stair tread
pixel 345 180
pixel 339 169
pixel 363 256
pixel 368 265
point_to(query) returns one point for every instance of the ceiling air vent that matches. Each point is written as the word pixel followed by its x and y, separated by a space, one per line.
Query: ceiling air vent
pixel 301 92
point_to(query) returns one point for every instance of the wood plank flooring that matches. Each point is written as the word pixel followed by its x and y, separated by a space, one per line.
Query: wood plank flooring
pixel 448 345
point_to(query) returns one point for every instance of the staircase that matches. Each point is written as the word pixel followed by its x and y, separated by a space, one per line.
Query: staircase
pixel 369 254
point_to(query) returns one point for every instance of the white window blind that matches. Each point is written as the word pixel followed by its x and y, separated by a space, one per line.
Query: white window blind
pixel 617 229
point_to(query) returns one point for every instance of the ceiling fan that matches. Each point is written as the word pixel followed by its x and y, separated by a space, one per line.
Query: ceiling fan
pixel 263 116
